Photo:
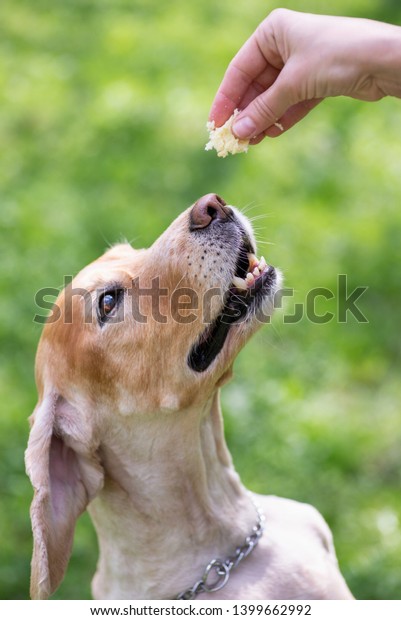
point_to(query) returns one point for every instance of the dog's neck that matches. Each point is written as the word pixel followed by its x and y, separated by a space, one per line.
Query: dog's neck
pixel 171 503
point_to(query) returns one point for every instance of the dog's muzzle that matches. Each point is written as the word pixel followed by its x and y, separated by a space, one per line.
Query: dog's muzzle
pixel 252 280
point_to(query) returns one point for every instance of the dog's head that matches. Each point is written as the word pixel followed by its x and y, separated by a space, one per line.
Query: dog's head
pixel 136 332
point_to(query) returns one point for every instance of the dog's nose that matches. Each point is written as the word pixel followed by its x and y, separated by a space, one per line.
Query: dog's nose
pixel 207 209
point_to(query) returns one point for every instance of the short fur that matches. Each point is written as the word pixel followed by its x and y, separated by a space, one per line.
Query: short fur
pixel 125 429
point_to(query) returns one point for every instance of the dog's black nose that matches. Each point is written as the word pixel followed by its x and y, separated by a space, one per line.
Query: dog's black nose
pixel 207 209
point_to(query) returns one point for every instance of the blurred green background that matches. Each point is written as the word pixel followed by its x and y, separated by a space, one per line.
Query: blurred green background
pixel 102 125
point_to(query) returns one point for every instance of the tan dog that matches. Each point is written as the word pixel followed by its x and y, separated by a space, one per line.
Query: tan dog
pixel 128 425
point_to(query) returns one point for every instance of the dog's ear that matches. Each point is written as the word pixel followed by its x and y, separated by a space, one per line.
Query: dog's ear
pixel 66 475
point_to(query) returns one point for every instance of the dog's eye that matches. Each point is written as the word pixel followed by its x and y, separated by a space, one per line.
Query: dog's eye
pixel 108 302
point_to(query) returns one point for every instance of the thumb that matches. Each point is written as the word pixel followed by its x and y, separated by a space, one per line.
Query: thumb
pixel 265 110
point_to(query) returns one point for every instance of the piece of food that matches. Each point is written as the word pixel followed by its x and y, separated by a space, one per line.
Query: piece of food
pixel 223 140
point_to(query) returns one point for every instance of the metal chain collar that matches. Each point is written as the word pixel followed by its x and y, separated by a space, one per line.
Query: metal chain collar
pixel 222 569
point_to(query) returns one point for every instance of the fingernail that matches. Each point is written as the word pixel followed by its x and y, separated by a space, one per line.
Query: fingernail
pixel 244 128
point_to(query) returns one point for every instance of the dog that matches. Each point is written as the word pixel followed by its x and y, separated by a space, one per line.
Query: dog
pixel 128 426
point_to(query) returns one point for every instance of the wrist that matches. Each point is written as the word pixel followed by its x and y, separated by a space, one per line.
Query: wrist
pixel 386 65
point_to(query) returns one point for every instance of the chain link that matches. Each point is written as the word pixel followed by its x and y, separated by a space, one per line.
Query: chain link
pixel 217 572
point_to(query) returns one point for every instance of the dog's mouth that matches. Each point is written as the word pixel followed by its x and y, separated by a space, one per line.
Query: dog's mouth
pixel 252 281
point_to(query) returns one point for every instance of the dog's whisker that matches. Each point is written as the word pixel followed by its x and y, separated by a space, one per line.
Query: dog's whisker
pixel 264 242
pixel 260 216
pixel 250 206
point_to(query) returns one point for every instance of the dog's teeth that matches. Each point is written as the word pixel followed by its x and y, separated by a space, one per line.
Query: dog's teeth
pixel 239 283
pixel 249 279
pixel 253 261
pixel 262 264
pixel 256 272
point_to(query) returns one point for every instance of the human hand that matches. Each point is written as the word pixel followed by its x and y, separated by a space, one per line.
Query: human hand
pixel 294 60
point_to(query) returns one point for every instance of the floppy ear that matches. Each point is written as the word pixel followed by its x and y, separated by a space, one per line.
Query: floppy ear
pixel 66 475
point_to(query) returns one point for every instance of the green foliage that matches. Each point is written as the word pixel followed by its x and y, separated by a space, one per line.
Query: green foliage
pixel 102 114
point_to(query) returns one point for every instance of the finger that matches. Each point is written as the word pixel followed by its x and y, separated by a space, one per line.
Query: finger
pixel 223 106
pixel 267 108
pixel 291 117
pixel 288 120
pixel 257 139
pixel 259 86
pixel 248 64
